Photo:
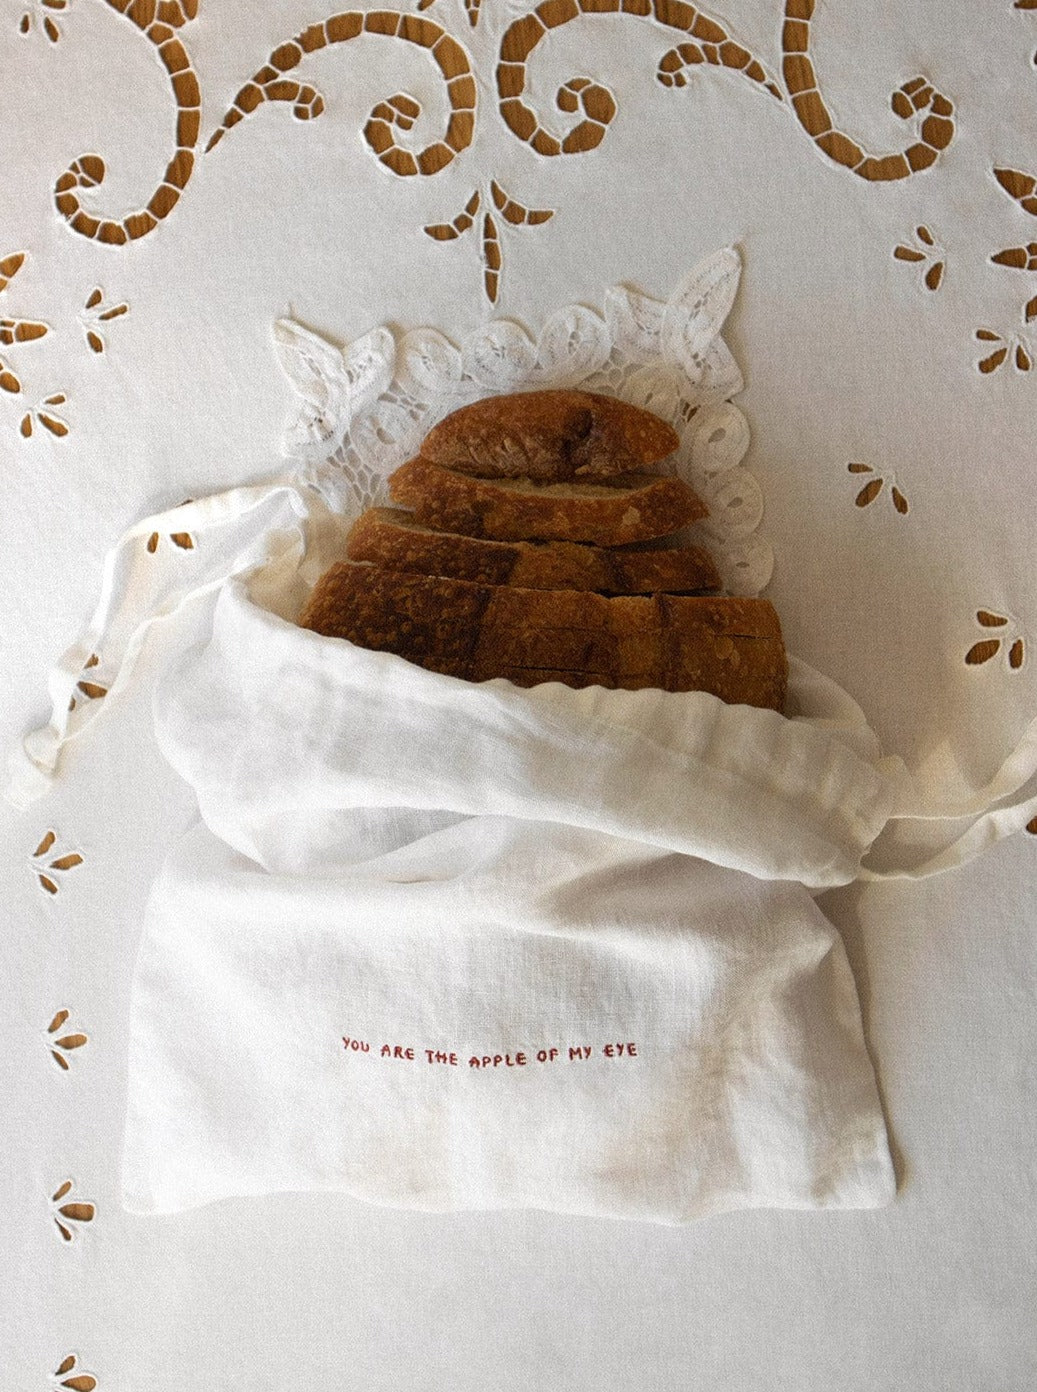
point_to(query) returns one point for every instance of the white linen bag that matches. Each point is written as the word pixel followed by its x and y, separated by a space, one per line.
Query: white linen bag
pixel 450 945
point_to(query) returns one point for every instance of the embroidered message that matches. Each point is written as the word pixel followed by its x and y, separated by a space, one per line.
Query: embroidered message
pixel 520 1058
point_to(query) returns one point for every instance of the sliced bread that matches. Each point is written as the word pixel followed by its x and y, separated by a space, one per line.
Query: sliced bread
pixel 731 647
pixel 549 436
pixel 629 508
pixel 394 538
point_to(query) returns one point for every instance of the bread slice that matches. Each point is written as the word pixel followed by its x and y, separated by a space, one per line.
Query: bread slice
pixel 393 538
pixel 631 507
pixel 549 436
pixel 731 647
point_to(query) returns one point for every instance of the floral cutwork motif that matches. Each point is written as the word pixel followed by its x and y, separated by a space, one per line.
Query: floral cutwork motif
pixel 1011 347
pixel 874 487
pixel 94 313
pixel 64 1044
pixel 182 540
pixel 15 331
pixel 513 212
pixel 93 691
pixel 68 1374
pixel 43 866
pixel 69 1216
pixel 1011 641
pixel 1022 189
pixel 924 250
pixel 42 414
pixel 42 13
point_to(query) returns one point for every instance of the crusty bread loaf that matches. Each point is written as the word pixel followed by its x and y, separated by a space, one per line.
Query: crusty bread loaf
pixel 630 507
pixel 549 436
pixel 393 538
pixel 730 647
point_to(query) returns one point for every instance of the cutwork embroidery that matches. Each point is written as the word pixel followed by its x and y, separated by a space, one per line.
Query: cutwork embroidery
pixel 157 20
pixel 69 1216
pixel 1011 347
pixel 95 313
pixel 365 409
pixel 706 43
pixel 874 487
pixel 513 213
pixel 15 331
pixel 924 250
pixel 60 1047
pixel 1011 641
pixel 42 14
pixel 43 866
pixel 70 1375
pixel 1022 189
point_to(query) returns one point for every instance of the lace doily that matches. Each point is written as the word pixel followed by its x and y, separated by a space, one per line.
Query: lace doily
pixel 366 408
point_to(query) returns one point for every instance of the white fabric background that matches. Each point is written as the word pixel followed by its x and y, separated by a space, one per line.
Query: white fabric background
pixel 847 358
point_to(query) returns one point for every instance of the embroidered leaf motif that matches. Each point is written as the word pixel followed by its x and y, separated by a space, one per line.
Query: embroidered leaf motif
pixel 869 493
pixel 47 418
pixel 1019 186
pixel 9 267
pixel 983 652
pixel 43 867
pixel 21 331
pixel 67 1216
pixel 928 254
pixel 636 322
pixel 66 1376
pixel 66 1043
pixel 1012 643
pixel 516 214
pixel 95 312
pixel 47 23
pixel 1014 344
pixel 874 486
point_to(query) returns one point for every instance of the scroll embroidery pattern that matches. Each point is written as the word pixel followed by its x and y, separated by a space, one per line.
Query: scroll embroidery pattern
pixel 158 21
pixel 270 84
pixel 705 42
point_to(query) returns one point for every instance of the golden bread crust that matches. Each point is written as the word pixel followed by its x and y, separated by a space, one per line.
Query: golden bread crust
pixel 549 435
pixel 393 538
pixel 730 647
pixel 629 508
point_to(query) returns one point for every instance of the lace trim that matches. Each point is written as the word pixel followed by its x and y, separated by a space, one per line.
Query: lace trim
pixel 365 408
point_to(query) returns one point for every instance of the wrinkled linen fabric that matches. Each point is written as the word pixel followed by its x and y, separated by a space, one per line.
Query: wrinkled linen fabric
pixel 463 946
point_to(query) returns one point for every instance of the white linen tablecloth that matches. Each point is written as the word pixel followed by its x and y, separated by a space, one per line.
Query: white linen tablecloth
pixel 886 330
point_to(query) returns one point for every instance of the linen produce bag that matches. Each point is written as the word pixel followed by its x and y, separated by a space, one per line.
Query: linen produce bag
pixel 450 945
